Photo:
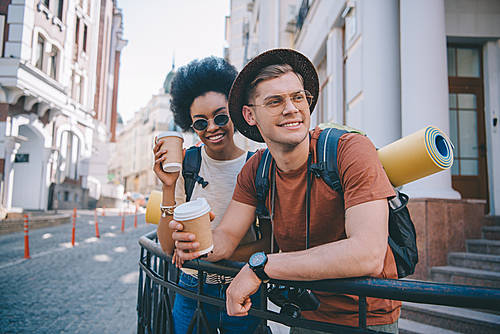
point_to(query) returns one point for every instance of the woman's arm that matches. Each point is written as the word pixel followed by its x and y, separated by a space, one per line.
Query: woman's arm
pixel 168 181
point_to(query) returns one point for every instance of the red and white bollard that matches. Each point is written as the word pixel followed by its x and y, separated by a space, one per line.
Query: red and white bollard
pixel 123 221
pixel 74 227
pixel 26 238
pixel 96 224
pixel 135 217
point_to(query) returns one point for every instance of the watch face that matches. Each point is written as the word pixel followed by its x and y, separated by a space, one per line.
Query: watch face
pixel 257 259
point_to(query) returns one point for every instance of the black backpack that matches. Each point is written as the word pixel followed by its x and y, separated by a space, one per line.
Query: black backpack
pixel 402 235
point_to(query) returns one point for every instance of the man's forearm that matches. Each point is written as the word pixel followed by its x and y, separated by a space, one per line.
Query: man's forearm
pixel 340 259
pixel 362 253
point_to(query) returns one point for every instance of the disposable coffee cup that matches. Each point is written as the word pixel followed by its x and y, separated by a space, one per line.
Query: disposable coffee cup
pixel 195 216
pixel 172 142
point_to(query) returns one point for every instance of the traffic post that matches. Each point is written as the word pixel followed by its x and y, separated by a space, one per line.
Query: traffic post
pixel 96 223
pixel 74 227
pixel 135 217
pixel 123 221
pixel 26 238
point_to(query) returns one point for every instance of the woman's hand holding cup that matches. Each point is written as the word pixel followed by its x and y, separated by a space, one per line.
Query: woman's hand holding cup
pixel 168 179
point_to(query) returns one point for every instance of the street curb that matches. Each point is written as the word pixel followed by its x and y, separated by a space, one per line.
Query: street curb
pixel 16 225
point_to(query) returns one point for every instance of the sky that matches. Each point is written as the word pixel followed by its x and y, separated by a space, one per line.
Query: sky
pixel 157 30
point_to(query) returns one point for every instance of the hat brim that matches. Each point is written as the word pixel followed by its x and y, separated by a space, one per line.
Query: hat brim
pixel 300 64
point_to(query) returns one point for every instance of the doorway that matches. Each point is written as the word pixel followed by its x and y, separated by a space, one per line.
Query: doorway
pixel 467 124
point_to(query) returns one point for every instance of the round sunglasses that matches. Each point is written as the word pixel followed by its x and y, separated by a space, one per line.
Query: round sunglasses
pixel 219 120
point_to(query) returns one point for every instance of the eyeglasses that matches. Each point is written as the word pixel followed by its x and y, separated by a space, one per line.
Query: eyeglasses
pixel 276 103
pixel 219 120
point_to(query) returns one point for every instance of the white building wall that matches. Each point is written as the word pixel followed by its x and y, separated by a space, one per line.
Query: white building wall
pixel 492 119
pixel 479 22
pixel 395 73
pixel 29 177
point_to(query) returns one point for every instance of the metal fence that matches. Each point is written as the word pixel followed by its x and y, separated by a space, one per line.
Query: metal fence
pixel 158 284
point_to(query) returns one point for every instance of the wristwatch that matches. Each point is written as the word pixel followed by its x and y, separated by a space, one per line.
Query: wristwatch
pixel 257 262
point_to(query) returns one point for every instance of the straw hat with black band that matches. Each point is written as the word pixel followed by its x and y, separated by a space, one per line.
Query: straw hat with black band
pixel 237 96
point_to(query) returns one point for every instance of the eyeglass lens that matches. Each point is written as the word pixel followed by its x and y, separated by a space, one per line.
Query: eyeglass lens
pixel 299 99
pixel 219 120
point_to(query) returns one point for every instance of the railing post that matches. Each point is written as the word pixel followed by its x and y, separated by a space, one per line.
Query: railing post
pixel 362 311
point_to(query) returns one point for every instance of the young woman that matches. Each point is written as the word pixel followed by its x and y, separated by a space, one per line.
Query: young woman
pixel 199 102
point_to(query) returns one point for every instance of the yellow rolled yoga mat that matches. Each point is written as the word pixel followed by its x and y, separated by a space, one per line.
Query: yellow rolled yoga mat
pixel 153 211
pixel 415 156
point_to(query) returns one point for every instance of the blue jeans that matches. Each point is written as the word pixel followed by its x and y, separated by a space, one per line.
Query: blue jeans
pixel 184 308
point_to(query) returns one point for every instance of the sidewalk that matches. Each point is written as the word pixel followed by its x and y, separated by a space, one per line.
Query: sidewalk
pixel 41 219
pixel 15 223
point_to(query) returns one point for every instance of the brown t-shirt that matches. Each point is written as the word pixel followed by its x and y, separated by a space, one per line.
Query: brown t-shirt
pixel 363 180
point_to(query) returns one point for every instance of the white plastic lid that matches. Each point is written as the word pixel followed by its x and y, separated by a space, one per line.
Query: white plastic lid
pixel 169 134
pixel 192 209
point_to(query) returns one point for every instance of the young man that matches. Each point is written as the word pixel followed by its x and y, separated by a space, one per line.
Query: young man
pixel 271 101
pixel 199 103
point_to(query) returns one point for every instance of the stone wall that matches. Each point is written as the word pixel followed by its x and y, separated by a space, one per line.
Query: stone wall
pixel 443 226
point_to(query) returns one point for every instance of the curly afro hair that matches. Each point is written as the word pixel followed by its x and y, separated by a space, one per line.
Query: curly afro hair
pixel 211 74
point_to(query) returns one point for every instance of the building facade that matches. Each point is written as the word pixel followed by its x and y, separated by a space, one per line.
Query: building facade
pixel 392 67
pixel 50 51
pixel 132 161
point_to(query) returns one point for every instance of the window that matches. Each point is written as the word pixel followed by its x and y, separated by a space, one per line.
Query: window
pixel 59 11
pixel 66 196
pixel 82 88
pixel 77 31
pixel 464 62
pixel 54 55
pixel 77 90
pixel 85 37
pixel 70 152
pixel 40 45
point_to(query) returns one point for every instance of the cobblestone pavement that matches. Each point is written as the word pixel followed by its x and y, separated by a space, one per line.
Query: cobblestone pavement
pixel 89 288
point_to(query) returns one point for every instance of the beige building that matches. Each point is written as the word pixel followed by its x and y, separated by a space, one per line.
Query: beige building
pixel 54 56
pixel 132 161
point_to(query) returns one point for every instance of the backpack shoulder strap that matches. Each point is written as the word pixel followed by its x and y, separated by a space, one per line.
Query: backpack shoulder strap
pixel 326 165
pixel 249 154
pixel 262 184
pixel 190 169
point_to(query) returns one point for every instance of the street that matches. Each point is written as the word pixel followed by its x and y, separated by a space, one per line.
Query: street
pixel 88 288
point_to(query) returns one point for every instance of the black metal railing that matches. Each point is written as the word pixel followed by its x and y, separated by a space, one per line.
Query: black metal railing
pixel 158 284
